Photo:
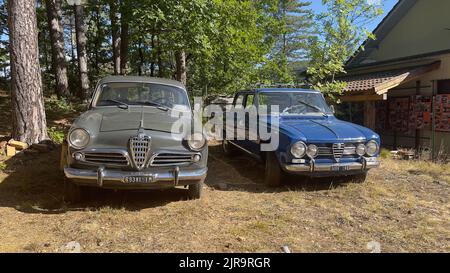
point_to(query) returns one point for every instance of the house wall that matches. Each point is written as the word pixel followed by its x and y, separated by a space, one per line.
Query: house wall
pixel 422 30
pixel 426 88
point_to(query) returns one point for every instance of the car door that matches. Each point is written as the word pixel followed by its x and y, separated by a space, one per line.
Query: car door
pixel 251 142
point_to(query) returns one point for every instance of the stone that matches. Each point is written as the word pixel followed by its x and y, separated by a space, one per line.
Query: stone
pixel 10 150
pixel 19 145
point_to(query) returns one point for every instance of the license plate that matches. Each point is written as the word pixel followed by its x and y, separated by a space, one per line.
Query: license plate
pixel 138 179
pixel 338 168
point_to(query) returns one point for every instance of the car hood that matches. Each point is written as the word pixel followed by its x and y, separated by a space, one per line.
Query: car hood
pixel 326 130
pixel 110 119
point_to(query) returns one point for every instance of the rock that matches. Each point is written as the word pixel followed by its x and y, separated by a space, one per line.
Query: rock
pixel 10 150
pixel 286 249
pixel 374 247
pixel 31 152
pixel 41 147
pixel 50 144
pixel 19 145
pixel 221 186
pixel 71 247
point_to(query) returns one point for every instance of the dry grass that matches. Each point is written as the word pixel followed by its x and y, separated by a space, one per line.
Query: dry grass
pixel 404 206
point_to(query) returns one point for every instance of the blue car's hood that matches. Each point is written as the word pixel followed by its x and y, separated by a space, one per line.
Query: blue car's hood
pixel 327 130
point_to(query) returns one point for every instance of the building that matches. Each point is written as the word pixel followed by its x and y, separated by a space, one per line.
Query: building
pixel 400 84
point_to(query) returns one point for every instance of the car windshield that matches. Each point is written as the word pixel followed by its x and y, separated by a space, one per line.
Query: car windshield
pixel 147 94
pixel 294 103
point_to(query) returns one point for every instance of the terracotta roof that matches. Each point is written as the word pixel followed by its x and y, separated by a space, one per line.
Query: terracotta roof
pixel 380 82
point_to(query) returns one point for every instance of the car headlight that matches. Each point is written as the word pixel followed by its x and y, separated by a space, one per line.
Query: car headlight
pixel 196 142
pixel 361 149
pixel 298 150
pixel 372 148
pixel 312 151
pixel 79 138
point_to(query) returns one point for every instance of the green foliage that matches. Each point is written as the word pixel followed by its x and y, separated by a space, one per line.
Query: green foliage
pixel 56 135
pixel 341 31
pixel 3 166
pixel 385 154
pixel 58 105
pixel 290 25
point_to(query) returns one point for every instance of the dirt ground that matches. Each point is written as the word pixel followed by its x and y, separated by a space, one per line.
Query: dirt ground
pixel 404 207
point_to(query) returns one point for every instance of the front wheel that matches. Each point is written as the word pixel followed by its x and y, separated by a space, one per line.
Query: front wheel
pixel 72 192
pixel 273 174
pixel 195 190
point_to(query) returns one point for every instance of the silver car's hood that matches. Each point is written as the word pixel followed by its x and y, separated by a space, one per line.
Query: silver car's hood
pixel 109 119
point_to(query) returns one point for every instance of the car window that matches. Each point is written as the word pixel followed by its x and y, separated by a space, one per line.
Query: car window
pixel 239 101
pixel 141 94
pixel 249 100
pixel 294 103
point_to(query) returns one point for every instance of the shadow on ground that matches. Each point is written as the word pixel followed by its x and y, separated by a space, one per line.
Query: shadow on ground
pixel 243 173
pixel 34 184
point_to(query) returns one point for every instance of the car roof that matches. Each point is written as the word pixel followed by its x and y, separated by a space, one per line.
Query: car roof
pixel 286 90
pixel 108 79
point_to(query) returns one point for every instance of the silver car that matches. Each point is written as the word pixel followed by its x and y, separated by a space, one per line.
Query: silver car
pixel 135 135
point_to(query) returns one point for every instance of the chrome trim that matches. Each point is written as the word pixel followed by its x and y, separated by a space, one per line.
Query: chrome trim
pixel 328 167
pixel 119 176
pixel 105 152
pixel 182 162
pixel 140 150
pixel 338 151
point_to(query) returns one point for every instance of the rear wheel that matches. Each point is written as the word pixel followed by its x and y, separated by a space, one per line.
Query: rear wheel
pixel 228 148
pixel 195 190
pixel 274 174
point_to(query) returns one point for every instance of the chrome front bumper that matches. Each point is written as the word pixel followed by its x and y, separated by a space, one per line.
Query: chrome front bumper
pixel 120 179
pixel 337 168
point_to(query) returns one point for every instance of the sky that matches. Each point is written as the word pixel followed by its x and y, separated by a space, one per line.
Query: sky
pixel 317 6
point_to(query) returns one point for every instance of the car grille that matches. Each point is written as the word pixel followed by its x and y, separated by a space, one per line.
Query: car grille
pixel 108 159
pixel 140 150
pixel 338 150
pixel 170 159
pixel 333 150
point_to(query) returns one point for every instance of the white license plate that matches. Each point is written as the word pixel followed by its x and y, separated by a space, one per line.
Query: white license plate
pixel 138 179
pixel 338 168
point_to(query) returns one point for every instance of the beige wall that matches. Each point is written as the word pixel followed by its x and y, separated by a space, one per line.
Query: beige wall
pixel 422 30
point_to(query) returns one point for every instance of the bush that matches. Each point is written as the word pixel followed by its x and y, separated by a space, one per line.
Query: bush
pixel 57 136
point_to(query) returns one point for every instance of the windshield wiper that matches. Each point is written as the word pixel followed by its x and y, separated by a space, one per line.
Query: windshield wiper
pixel 120 104
pixel 312 106
pixel 157 105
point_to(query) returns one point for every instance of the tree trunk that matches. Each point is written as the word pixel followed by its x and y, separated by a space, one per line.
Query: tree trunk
pixel 152 64
pixel 80 29
pixel 57 44
pixel 124 41
pixel 180 57
pixel 115 35
pixel 141 57
pixel 28 113
pixel 160 61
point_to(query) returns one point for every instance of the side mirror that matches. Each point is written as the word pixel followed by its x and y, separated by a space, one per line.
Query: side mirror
pixel 333 110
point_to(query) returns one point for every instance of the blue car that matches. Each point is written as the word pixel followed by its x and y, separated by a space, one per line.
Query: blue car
pixel 311 140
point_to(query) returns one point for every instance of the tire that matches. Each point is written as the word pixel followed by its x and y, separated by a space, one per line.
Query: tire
pixel 195 191
pixel 273 174
pixel 72 193
pixel 228 148
pixel 359 178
